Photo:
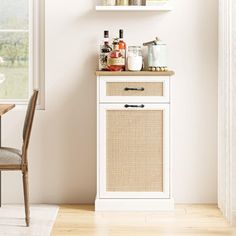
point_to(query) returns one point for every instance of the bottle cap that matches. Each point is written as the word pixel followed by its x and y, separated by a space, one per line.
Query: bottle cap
pixel 116 41
pixel 121 33
pixel 106 34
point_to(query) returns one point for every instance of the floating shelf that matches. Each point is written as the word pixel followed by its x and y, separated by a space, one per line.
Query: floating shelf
pixel 162 7
pixel 133 73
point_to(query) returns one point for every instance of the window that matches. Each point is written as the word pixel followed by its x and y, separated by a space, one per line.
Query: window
pixel 21 54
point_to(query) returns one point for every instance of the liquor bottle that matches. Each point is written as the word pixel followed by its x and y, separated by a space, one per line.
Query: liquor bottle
pixel 122 44
pixel 116 61
pixel 105 49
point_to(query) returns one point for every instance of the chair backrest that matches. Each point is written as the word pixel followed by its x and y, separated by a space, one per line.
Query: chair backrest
pixel 28 124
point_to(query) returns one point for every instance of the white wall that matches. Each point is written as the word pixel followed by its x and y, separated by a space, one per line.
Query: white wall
pixel 63 147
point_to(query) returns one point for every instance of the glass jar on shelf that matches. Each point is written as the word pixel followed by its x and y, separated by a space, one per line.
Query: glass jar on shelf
pixel 137 2
pixel 108 2
pixel 135 58
pixel 122 2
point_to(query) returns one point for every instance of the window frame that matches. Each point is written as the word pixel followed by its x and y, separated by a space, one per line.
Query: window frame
pixel 36 31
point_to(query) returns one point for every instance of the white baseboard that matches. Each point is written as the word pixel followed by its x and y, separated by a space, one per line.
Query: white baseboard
pixel 134 204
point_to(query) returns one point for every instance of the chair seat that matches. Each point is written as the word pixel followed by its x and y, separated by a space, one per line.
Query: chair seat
pixel 10 156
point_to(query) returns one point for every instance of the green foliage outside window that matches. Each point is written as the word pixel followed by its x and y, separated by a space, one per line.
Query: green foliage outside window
pixel 14 49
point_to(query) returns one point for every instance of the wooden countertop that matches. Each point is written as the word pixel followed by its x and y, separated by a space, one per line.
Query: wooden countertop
pixel 131 73
pixel 4 108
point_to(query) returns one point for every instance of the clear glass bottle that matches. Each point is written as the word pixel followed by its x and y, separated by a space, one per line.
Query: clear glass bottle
pixel 116 61
pixel 122 44
pixel 105 49
pixel 135 58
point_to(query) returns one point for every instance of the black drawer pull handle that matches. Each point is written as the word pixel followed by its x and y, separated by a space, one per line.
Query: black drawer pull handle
pixel 134 89
pixel 134 106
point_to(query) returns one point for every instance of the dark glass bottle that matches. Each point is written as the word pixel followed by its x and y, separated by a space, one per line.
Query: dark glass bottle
pixel 105 49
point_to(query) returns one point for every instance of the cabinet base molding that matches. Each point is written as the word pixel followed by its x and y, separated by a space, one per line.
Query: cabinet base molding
pixel 134 204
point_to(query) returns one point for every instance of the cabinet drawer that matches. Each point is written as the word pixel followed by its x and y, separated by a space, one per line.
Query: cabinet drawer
pixel 134 89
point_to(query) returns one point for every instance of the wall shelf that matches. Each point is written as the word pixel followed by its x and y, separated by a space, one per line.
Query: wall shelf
pixel 162 7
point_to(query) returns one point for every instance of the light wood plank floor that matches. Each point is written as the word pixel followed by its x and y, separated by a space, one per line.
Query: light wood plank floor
pixel 186 220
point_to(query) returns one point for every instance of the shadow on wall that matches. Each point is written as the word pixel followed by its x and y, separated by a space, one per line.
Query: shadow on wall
pixel 70 154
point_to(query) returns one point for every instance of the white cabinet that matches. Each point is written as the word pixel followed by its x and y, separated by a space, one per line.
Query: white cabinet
pixel 133 143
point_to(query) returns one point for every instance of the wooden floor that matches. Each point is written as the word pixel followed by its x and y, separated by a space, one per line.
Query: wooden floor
pixel 186 220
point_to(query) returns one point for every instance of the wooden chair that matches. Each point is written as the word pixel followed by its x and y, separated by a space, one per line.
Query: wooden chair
pixel 13 159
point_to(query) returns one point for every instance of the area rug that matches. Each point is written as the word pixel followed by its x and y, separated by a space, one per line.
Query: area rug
pixel 12 220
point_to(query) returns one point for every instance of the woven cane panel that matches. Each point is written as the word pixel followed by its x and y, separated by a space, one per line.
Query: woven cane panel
pixel 150 89
pixel 134 151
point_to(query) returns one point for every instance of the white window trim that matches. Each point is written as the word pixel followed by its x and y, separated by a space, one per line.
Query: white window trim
pixel 39 51
pixel 37 55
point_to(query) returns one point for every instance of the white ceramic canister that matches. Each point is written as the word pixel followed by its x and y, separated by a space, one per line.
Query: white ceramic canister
pixel 135 59
pixel 157 55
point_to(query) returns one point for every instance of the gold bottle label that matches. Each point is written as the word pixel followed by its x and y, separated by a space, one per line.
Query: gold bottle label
pixel 120 61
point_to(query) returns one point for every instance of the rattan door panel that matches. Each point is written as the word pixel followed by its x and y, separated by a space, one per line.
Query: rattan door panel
pixel 134 151
pixel 134 161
